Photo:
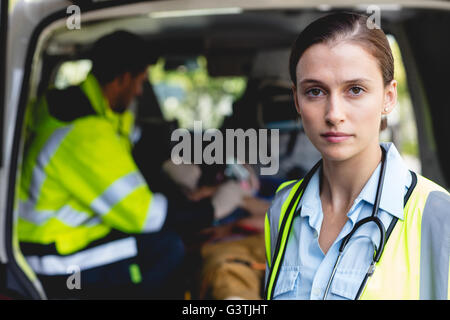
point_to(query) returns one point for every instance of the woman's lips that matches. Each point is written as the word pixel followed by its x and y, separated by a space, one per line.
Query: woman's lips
pixel 335 137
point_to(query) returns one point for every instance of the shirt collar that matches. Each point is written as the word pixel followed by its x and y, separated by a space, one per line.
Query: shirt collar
pixel 396 179
pixel 311 205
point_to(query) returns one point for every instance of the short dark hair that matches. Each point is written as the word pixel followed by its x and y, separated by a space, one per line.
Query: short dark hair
pixel 118 53
pixel 344 26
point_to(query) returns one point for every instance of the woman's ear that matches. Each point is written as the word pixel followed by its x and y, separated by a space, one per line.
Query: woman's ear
pixel 390 97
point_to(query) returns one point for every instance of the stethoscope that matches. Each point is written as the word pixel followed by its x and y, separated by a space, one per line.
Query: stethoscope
pixel 372 219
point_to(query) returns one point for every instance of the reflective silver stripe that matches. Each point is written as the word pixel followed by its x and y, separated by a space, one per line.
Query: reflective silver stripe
pixel 118 190
pixel 93 221
pixel 26 209
pixel 435 247
pixel 27 212
pixel 156 213
pixel 66 214
pixel 86 259
pixel 46 153
pixel 72 217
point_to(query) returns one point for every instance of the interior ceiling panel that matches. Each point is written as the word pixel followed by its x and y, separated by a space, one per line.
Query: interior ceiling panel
pixel 241 30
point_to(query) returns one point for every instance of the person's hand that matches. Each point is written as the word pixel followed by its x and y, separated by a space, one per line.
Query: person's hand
pixel 185 175
pixel 228 197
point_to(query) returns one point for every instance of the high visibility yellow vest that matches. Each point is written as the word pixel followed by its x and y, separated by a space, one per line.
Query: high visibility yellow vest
pixel 79 180
pixel 415 261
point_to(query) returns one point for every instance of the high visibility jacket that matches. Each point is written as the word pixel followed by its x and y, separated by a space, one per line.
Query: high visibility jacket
pixel 415 261
pixel 79 180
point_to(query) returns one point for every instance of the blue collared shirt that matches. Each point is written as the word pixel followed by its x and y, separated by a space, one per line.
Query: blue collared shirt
pixel 306 269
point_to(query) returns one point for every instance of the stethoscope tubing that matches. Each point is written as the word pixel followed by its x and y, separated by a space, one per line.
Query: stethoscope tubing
pixel 373 218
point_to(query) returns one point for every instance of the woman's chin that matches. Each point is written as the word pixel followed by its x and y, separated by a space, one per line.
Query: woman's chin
pixel 336 152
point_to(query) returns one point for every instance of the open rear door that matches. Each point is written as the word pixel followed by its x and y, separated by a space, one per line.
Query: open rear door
pixel 3 39
pixel 17 280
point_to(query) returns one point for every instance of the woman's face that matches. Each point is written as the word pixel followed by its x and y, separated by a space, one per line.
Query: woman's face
pixel 340 96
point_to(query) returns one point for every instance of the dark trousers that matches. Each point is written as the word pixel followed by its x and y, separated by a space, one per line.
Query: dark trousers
pixel 155 273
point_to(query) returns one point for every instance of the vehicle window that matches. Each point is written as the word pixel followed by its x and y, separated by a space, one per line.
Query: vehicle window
pixel 188 93
pixel 72 73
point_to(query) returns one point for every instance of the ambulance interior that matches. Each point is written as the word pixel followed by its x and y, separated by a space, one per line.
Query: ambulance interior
pixel 229 69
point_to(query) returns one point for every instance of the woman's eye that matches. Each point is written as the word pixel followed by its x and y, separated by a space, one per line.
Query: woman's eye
pixel 356 91
pixel 314 92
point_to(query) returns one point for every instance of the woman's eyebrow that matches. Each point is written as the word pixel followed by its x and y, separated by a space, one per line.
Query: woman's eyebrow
pixel 315 81
pixel 357 80
pixel 310 81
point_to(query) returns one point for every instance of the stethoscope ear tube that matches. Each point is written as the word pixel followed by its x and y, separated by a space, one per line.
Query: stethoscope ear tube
pixel 374 217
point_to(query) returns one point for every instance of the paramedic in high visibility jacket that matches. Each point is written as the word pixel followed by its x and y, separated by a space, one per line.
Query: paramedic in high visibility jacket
pixel 342 72
pixel 84 204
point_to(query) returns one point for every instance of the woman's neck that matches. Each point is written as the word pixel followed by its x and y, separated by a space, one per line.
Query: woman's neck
pixel 342 181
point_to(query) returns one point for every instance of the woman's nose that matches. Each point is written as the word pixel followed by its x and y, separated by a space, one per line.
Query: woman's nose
pixel 334 111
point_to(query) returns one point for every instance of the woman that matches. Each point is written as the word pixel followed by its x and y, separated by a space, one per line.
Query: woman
pixel 359 211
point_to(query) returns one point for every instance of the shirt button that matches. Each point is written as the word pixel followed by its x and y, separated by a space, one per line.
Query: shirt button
pixel 315 234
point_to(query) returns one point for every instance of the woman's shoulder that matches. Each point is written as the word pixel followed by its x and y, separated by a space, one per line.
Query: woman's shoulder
pixel 431 198
pixel 286 185
pixel 281 196
pixel 285 188
pixel 426 186
pixel 432 206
